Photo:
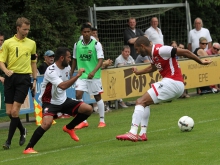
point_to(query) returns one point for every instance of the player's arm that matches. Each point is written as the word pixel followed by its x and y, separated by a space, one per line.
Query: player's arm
pixel 5 70
pixel 73 67
pixel 100 56
pixel 66 84
pixel 149 69
pixel 132 40
pixel 186 53
pixel 34 75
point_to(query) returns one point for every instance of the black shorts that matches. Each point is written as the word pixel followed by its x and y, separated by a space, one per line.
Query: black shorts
pixel 16 87
pixel 69 107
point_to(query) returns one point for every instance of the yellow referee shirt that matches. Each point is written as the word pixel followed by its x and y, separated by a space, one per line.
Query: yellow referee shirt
pixel 16 54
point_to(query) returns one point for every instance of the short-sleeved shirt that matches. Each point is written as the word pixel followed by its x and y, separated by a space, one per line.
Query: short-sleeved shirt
pixel 129 34
pixel 194 36
pixel 166 64
pixel 120 60
pixel 156 37
pixel 17 54
pixel 141 59
pixel 50 92
pixel 87 56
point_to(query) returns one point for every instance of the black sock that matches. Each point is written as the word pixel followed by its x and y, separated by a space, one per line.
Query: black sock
pixel 20 126
pixel 78 119
pixel 12 128
pixel 38 133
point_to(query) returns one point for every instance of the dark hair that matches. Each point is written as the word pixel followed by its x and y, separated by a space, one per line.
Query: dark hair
pixel 2 34
pixel 85 26
pixel 94 29
pixel 61 51
pixel 142 40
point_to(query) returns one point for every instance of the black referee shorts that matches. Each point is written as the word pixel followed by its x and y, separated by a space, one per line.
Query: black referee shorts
pixel 69 107
pixel 16 87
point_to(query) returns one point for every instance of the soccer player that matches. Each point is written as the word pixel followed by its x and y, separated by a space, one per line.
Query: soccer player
pixel 163 59
pixel 18 53
pixel 54 99
pixel 88 53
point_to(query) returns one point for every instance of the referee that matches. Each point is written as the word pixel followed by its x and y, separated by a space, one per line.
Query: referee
pixel 18 54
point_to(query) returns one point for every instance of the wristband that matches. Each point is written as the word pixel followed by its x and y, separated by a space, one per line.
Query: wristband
pixel 34 79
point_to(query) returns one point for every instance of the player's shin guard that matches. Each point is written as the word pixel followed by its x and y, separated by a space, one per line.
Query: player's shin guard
pixel 136 118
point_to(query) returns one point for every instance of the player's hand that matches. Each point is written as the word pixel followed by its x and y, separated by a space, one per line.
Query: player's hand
pixel 91 75
pixel 80 72
pixel 134 69
pixel 9 73
pixel 206 61
pixel 33 88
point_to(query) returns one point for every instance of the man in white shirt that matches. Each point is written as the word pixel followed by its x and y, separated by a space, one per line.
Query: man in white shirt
pixel 196 33
pixel 154 34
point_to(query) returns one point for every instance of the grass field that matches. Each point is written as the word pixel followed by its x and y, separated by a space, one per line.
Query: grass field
pixel 167 145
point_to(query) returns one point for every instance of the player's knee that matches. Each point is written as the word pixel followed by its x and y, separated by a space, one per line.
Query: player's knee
pixel 47 122
pixel 85 108
pixel 139 101
pixel 14 113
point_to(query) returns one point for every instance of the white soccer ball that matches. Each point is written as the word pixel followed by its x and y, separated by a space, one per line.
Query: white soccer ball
pixel 186 123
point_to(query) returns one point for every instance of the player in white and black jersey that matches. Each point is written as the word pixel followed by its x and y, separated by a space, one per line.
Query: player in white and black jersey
pixel 54 99
pixel 170 87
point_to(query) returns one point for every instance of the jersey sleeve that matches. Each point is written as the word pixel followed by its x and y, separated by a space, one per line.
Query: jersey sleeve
pixel 74 51
pixel 99 50
pixel 165 51
pixel 52 76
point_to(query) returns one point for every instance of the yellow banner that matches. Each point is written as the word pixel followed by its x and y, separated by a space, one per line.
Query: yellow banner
pixel 122 83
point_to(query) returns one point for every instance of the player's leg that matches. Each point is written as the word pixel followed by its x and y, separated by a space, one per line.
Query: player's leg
pixel 49 112
pixel 80 88
pixel 144 124
pixel 38 133
pixel 141 102
pixel 80 110
pixel 95 88
pixel 16 90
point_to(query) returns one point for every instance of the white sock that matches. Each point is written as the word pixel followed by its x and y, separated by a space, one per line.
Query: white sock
pixel 101 110
pixel 136 118
pixel 144 120
pixel 85 121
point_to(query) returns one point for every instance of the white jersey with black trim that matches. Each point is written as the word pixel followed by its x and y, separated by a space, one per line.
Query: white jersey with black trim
pixel 50 92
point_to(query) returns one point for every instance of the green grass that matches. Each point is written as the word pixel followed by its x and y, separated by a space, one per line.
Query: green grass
pixel 167 145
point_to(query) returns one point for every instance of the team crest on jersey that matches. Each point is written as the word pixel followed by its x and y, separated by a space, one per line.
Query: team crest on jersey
pixel 89 52
pixel 156 59
pixel 46 110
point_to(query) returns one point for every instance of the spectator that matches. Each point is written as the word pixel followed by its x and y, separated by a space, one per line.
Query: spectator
pixel 95 33
pixel 88 53
pixel 124 58
pixel 154 33
pixel 214 50
pixel 197 33
pixel 121 60
pixel 200 51
pixel 17 67
pixel 48 60
pixel 131 33
pixel 173 44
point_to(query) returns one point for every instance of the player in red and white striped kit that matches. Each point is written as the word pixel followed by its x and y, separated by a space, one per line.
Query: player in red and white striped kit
pixel 163 59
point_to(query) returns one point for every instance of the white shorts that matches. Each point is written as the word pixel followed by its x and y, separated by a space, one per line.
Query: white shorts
pixel 165 90
pixel 91 86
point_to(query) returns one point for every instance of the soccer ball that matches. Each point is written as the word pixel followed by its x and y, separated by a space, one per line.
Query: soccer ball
pixel 186 123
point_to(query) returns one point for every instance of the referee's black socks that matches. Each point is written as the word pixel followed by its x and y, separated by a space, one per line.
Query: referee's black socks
pixel 12 127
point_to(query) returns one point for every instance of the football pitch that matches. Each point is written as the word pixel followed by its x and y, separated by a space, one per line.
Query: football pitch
pixel 166 144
